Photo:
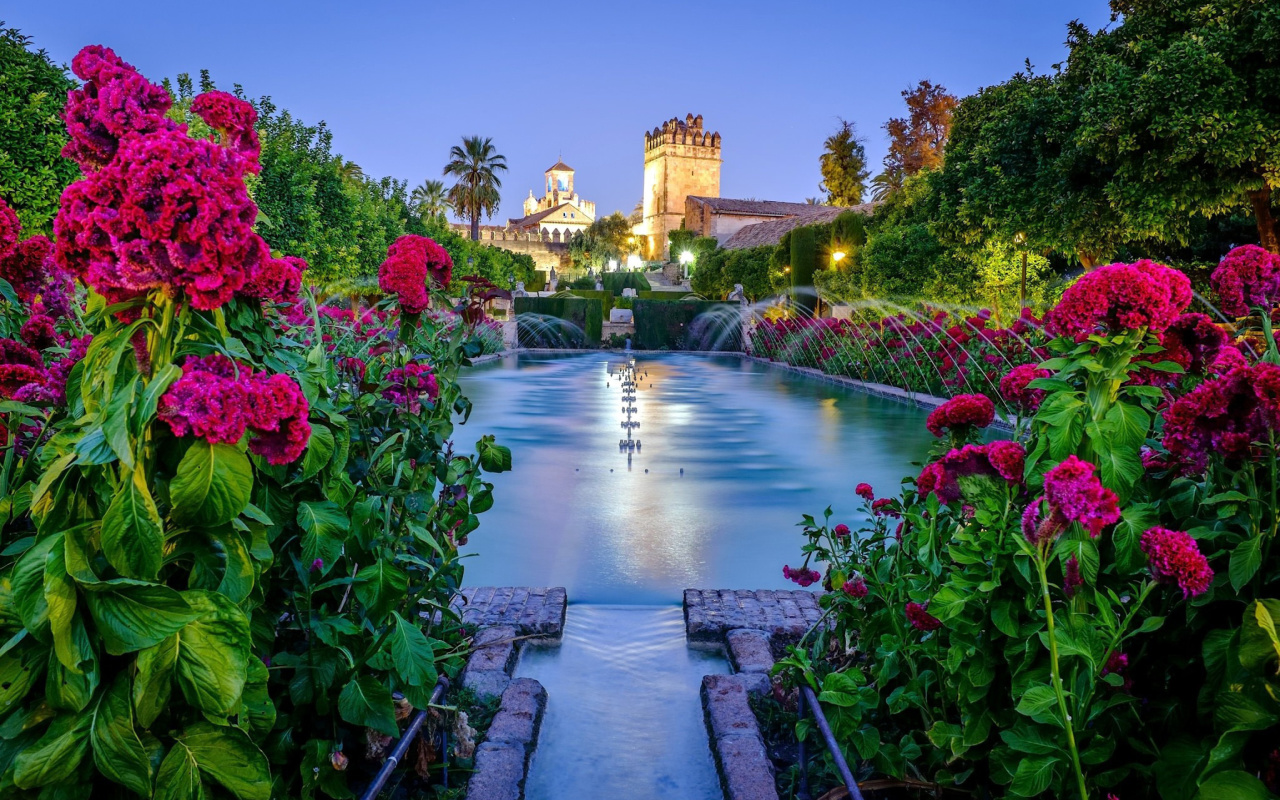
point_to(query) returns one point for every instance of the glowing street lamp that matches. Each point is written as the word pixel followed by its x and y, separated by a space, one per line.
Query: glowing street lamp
pixel 838 256
pixel 613 265
pixel 634 262
pixel 686 258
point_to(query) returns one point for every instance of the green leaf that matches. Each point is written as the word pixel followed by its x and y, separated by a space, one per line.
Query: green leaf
pixel 60 598
pixel 213 653
pixel 380 587
pixel 213 484
pixel 135 617
pixel 223 754
pixel 325 529
pixel 154 680
pixel 1135 520
pixel 1246 558
pixel 1233 785
pixel 1259 638
pixel 367 702
pixel 1126 425
pixel 56 755
pixel 319 452
pixel 117 750
pixel 1033 776
pixel 1037 700
pixel 115 421
pixel 412 654
pixel 19 670
pixel 258 714
pixel 28 584
pixel 132 534
pixel 493 457
pixel 179 776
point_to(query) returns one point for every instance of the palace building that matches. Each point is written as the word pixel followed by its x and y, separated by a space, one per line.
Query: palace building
pixel 560 212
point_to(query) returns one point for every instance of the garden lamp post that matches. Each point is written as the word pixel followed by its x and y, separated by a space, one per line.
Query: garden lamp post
pixel 1020 239
pixel 838 256
pixel 686 258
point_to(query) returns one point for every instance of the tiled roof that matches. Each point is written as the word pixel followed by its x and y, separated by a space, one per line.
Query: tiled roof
pixel 759 208
pixel 560 166
pixel 771 232
pixel 534 219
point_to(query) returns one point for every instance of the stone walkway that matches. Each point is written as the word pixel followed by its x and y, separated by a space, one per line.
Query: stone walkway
pixel 529 610
pixel 784 614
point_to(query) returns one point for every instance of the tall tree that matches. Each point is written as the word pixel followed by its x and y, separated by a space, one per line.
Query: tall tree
pixel 32 92
pixel 430 199
pixel 1182 101
pixel 475 165
pixel 917 141
pixel 844 166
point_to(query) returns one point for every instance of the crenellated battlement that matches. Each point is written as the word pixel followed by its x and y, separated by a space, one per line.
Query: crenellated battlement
pixel 687 132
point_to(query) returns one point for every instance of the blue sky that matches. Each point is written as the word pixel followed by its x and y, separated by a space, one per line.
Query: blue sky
pixel 399 83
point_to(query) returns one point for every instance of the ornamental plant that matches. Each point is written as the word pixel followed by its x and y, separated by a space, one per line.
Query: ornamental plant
pixel 226 565
pixel 1091 609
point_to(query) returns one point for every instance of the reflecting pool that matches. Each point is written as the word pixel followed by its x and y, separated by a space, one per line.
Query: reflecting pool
pixel 730 454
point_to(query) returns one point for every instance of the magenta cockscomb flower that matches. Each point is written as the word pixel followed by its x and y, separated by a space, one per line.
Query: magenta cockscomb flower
pixel 1246 278
pixel 999 459
pixel 855 588
pixel 411 261
pixel 1071 578
pixel 1121 297
pixel 1014 389
pixel 114 103
pixel 920 618
pixel 1174 557
pixel 801 575
pixel 841 531
pixel 961 412
pixel 1224 415
pixel 10 229
pixel 233 118
pixel 39 331
pixel 409 384
pixel 863 490
pixel 277 280
pixel 1076 495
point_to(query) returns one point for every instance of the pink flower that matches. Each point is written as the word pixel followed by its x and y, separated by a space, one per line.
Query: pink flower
pixel 276 279
pixel 409 384
pixel 1007 458
pixel 115 102
pixel 10 228
pixel 1121 297
pixel 1013 387
pixel 26 267
pixel 961 411
pixel 411 259
pixel 841 531
pixel 317 565
pixel 863 490
pixel 1118 664
pixel 1224 415
pixel 234 119
pixel 856 588
pixel 1174 557
pixel 39 332
pixel 1031 527
pixel 884 508
pixel 353 366
pixel 921 619
pixel 1076 494
pixel 1247 277
pixel 1071 579
pixel 999 459
pixel 802 575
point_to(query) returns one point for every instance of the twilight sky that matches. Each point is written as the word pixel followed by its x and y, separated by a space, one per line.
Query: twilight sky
pixel 399 83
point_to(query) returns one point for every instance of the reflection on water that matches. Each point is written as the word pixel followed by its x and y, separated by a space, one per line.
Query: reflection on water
pixel 623 717
pixel 758 446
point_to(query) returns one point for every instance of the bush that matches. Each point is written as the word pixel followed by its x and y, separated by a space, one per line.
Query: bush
pixel 804 260
pixel 617 281
pixel 562 321
pixel 687 325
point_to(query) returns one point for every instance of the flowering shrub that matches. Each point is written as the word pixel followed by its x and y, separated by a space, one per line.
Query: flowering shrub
pixel 217 544
pixel 937 353
pixel 1092 609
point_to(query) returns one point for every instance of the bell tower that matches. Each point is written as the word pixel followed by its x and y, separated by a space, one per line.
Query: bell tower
pixel 680 159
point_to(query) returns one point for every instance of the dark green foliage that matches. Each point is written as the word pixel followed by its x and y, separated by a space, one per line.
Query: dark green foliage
pixel 584 318
pixel 844 167
pixel 849 231
pixel 681 240
pixel 804 260
pixel 719 270
pixel 667 325
pixel 608 238
pixel 604 296
pixel 33 91
pixel 668 296
pixel 617 281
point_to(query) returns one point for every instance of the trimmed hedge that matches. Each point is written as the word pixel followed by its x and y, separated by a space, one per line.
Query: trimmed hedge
pixel 538 283
pixel 617 281
pixel 669 296
pixel 603 295
pixel 804 261
pixel 670 325
pixel 584 315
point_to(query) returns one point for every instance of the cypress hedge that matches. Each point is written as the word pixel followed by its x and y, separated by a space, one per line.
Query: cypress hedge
pixel 603 295
pixel 804 260
pixel 675 325
pixel 584 315
pixel 617 281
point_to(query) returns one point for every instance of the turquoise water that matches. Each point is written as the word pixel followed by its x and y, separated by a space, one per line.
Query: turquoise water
pixel 758 446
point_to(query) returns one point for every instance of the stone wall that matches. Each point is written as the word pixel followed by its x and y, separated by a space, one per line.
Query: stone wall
pixel 680 159
pixel 547 250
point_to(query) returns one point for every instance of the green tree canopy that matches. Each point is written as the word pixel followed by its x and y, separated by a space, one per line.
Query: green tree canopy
pixel 844 166
pixel 475 166
pixel 33 91
pixel 607 238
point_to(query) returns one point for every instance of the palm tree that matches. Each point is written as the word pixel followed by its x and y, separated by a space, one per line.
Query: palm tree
pixel 350 170
pixel 475 165
pixel 886 183
pixel 430 199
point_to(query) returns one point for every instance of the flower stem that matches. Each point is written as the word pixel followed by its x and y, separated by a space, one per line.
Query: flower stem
pixel 1057 679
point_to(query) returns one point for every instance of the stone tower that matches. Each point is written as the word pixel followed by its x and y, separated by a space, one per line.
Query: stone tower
pixel 680 159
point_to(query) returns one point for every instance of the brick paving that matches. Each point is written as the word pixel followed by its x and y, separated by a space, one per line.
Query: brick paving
pixel 783 614
pixel 529 610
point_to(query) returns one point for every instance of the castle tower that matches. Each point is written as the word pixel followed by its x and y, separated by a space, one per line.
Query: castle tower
pixel 680 159
pixel 560 182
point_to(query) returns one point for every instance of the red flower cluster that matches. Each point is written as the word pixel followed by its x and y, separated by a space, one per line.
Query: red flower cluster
pixel 115 102
pixel 167 212
pixel 39 331
pixel 1174 557
pixel 1224 415
pixel 20 368
pixel 841 531
pixel 278 280
pixel 863 490
pixel 920 618
pixel 999 459
pixel 219 401
pixel 1076 495
pixel 1247 277
pixel 801 575
pixel 234 119
pixel 855 588
pixel 1071 579
pixel 1121 297
pixel 10 228
pixel 1014 390
pixel 409 384
pixel 960 411
pixel 411 259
